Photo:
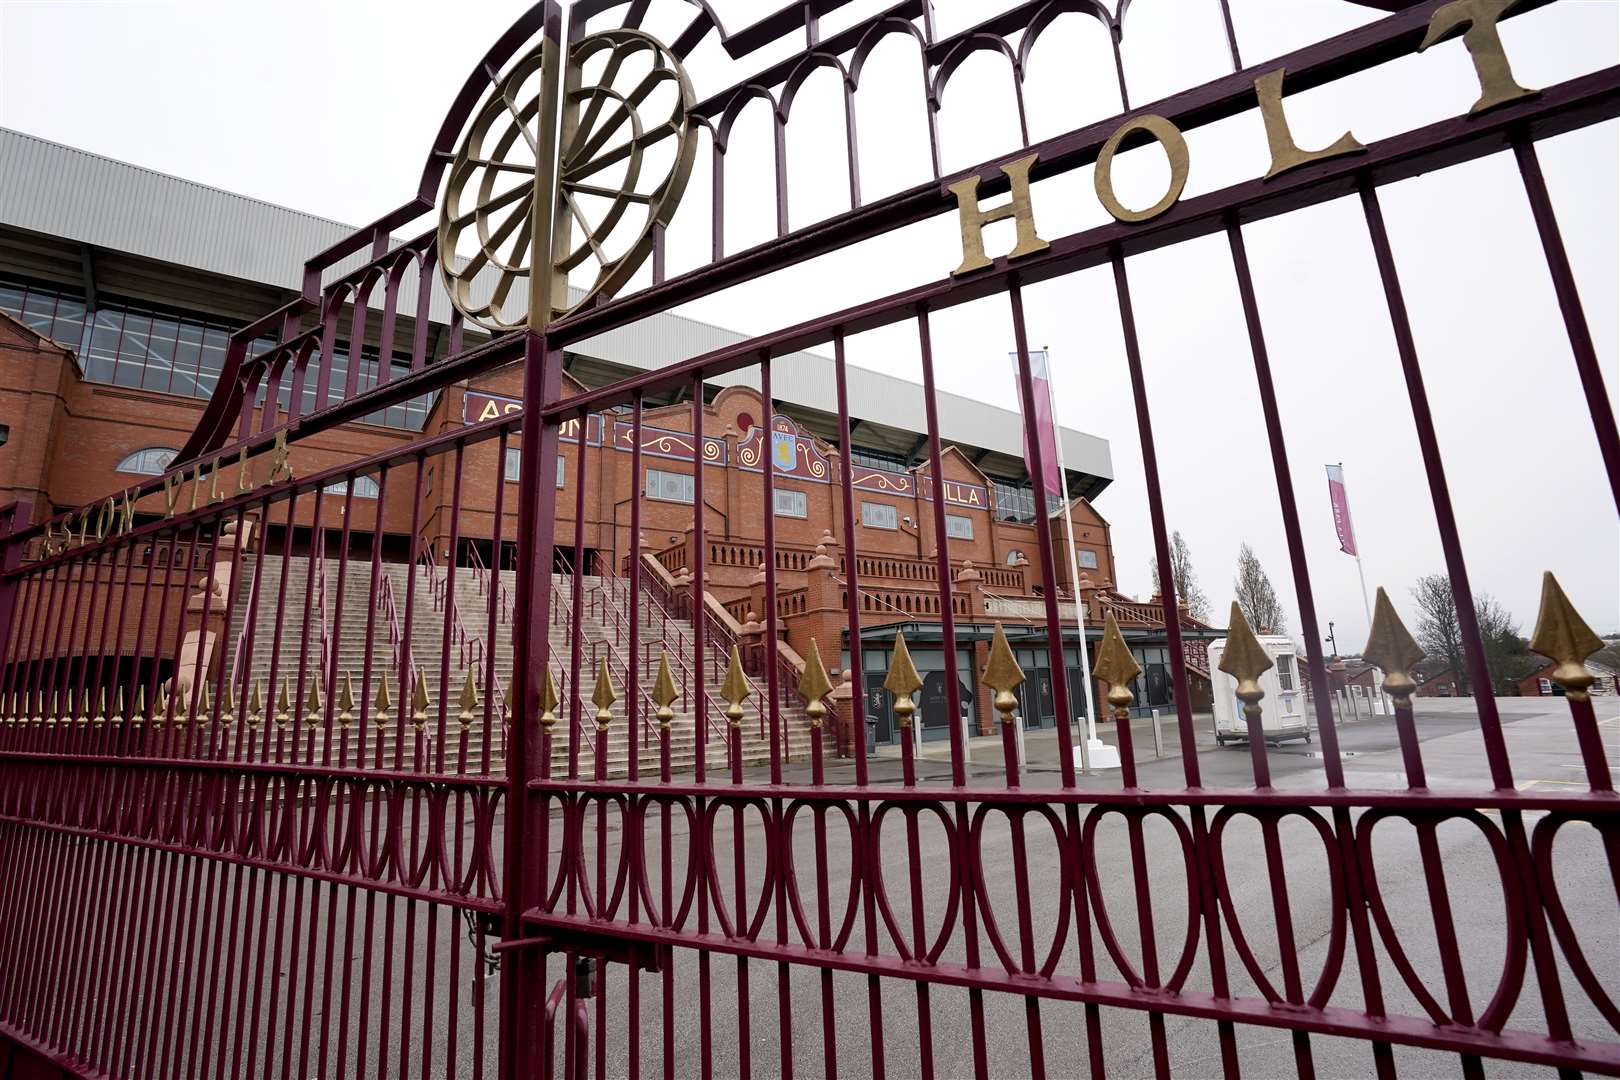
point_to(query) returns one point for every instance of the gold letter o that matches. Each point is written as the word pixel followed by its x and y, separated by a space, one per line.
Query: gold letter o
pixel 1175 148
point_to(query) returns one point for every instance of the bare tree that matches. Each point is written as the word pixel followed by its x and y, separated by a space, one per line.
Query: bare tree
pixel 1183 577
pixel 1256 596
pixel 1507 655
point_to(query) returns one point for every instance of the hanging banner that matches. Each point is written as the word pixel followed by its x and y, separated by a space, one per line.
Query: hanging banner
pixel 1341 509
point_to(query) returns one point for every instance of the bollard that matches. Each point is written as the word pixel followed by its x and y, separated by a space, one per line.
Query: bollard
pixel 1158 739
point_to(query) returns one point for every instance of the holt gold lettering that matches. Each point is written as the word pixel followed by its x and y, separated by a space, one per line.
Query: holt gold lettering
pixel 214 494
pixel 973 219
pixel 1175 148
pixel 244 474
pixel 1476 20
pixel 1285 152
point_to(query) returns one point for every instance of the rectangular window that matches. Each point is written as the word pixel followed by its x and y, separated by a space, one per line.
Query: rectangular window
pixel 958 526
pixel 669 486
pixel 877 459
pixel 514 465
pixel 879 516
pixel 1015 500
pixel 1088 559
pixel 793 504
pixel 1285 672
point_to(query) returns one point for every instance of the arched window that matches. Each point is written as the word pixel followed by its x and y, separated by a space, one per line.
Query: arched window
pixel 364 488
pixel 153 461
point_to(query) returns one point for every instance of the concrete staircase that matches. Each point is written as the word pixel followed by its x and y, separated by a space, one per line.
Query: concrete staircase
pixel 451 618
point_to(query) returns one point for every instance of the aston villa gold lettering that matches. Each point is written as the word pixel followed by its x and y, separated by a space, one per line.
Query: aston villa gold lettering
pixel 171 492
pixel 280 469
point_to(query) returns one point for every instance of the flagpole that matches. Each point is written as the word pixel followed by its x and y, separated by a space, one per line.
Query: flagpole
pixel 1090 731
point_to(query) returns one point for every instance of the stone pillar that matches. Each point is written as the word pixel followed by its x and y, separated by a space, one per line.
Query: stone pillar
pixel 202 634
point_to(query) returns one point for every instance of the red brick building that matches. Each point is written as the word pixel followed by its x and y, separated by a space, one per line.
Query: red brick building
pixel 112 335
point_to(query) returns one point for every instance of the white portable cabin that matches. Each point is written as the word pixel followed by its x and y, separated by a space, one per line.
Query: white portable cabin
pixel 1282 710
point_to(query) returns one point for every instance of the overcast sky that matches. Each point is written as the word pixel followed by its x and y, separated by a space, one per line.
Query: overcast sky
pixel 330 108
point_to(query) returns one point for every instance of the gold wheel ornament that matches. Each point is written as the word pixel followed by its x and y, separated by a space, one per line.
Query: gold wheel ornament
pixel 625 151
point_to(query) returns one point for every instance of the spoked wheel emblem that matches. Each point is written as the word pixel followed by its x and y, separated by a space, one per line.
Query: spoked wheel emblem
pixel 625 153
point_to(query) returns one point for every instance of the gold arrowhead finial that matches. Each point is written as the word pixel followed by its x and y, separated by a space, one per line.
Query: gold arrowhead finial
pixel 137 715
pixel 1003 675
pixel 1245 660
pixel 284 704
pixel 101 707
pixel 56 707
pixel 664 692
pixel 384 703
pixel 735 689
pixel 313 717
pixel 548 701
pixel 469 700
pixel 1117 667
pixel 1563 637
pixel 1392 649
pixel 346 700
pixel 117 716
pixel 604 696
pixel 420 701
pixel 814 685
pixel 255 709
pixel 203 709
pixel 227 707
pixel 902 681
pixel 84 706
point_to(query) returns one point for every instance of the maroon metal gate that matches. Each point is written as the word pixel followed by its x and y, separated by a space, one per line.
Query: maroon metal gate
pixel 254 820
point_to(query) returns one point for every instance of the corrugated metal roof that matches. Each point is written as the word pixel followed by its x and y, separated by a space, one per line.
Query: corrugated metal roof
pixel 59 190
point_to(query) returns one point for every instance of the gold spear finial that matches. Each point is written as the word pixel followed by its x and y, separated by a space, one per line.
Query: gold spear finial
pixel 284 704
pixel 1563 637
pixel 469 700
pixel 1245 660
pixel 548 700
pixel 160 709
pixel 735 689
pixel 101 707
pixel 1117 667
pixel 138 713
pixel 203 705
pixel 55 709
pixel 420 701
pixel 255 705
pixel 346 700
pixel 604 696
pixel 227 707
pixel 814 685
pixel 1003 675
pixel 1392 649
pixel 380 717
pixel 117 716
pixel 664 692
pixel 902 681
pixel 84 706
pixel 314 716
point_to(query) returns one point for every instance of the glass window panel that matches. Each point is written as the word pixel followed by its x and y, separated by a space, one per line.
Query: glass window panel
pixel 68 330
pixel 1088 559
pixel 160 354
pixel 958 526
pixel 11 299
pixel 669 486
pixel 103 352
pixel 132 349
pixel 39 310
